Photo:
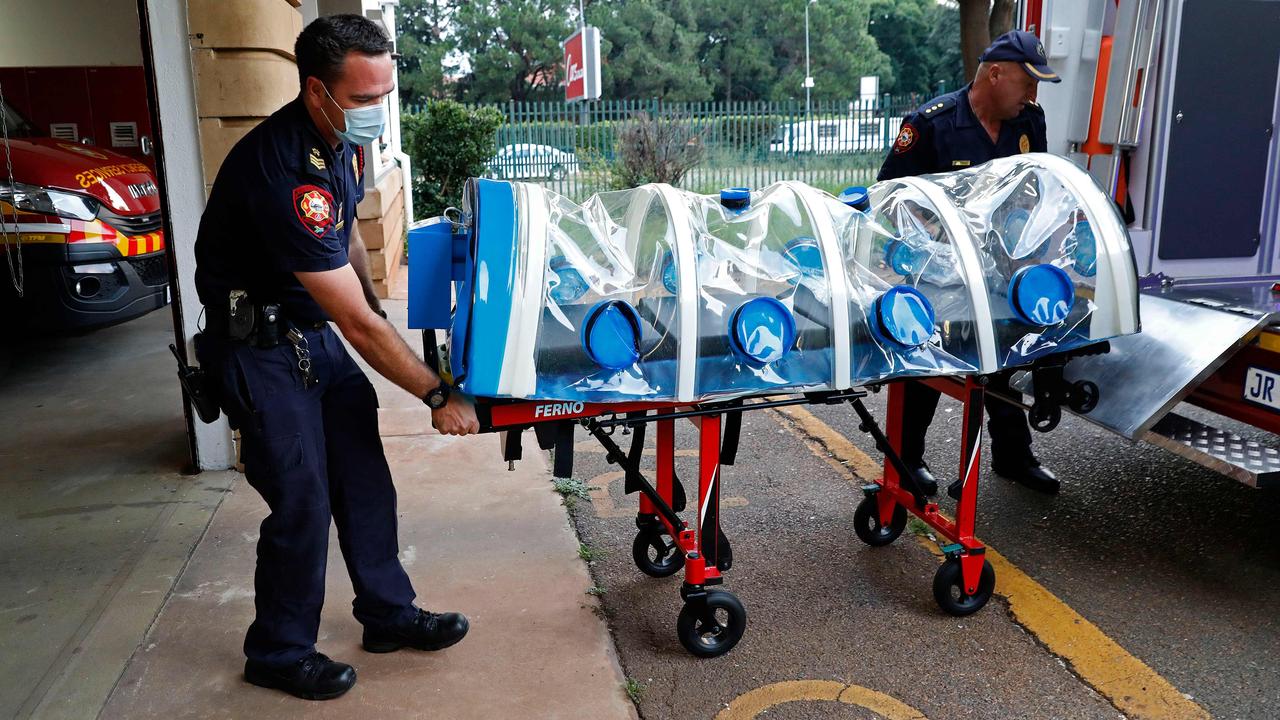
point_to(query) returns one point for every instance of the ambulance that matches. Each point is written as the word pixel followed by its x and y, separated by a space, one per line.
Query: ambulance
pixel 81 230
pixel 1171 106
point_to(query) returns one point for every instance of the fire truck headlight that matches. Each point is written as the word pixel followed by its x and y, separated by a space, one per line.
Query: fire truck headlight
pixel 46 201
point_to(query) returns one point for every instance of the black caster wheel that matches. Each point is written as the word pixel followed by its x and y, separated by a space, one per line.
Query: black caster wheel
pixel 709 627
pixel 1084 396
pixel 948 588
pixel 656 553
pixel 1044 417
pixel 866 523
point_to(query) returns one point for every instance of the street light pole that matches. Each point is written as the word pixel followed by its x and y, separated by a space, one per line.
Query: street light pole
pixel 808 78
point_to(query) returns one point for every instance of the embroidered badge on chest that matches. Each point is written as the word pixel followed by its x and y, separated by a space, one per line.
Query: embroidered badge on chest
pixel 314 207
pixel 1024 144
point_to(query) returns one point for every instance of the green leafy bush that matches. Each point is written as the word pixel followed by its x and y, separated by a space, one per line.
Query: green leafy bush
pixel 448 142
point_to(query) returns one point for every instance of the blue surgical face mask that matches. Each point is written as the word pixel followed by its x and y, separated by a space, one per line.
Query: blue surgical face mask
pixel 364 124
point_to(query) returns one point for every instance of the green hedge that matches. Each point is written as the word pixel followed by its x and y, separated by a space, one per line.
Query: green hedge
pixel 447 142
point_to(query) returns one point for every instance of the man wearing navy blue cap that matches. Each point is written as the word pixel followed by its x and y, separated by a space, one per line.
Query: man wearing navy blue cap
pixel 992 117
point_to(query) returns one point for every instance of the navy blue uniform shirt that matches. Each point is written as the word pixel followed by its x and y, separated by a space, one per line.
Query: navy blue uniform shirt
pixel 944 135
pixel 284 201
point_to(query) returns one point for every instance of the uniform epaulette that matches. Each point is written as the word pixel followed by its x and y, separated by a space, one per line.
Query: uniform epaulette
pixel 314 163
pixel 938 106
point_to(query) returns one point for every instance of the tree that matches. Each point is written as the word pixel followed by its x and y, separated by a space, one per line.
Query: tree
pixel 513 47
pixel 736 54
pixel 841 50
pixel 650 50
pixel 422 44
pixel 981 21
pixel 756 50
pixel 922 40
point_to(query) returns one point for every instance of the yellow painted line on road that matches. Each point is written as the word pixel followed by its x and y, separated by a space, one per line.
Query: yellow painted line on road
pixel 830 445
pixel 1129 684
pixel 749 705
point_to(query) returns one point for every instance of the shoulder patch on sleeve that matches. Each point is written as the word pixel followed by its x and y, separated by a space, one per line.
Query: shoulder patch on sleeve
pixel 907 138
pixel 314 207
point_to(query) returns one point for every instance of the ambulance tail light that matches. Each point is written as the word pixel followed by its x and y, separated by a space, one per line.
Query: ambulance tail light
pixel 47 201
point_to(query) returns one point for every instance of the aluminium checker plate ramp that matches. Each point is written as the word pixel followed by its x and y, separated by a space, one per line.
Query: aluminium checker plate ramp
pixel 1221 450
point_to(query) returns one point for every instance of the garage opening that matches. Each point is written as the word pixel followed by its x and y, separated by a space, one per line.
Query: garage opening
pixel 92 435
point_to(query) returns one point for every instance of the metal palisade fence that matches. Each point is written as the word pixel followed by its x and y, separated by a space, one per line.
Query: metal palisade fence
pixel 573 149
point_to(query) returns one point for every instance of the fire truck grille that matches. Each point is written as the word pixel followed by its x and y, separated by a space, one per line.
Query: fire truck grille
pixel 131 224
pixel 152 270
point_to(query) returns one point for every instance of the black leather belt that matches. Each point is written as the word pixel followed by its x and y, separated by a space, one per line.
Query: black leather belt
pixel 270 325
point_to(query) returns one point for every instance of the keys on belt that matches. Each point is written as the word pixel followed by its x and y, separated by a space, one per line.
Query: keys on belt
pixel 302 349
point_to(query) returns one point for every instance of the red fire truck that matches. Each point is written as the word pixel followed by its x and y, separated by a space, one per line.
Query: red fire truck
pixel 81 230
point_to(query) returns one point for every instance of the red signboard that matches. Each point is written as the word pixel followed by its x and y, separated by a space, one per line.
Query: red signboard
pixel 582 65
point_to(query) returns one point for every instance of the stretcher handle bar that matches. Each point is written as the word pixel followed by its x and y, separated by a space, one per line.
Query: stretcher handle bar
pixel 631 468
pixel 867 424
pixel 830 398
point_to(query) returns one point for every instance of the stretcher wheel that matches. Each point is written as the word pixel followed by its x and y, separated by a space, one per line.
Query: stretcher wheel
pixel 1084 396
pixel 866 523
pixel 948 588
pixel 710 626
pixel 656 553
pixel 1044 417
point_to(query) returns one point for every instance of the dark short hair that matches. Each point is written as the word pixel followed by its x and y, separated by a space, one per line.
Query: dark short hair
pixel 323 45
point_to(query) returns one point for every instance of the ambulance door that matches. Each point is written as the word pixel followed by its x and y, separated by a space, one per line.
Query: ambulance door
pixel 1218 121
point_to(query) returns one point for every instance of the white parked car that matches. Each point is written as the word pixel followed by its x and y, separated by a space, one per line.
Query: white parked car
pixel 527 160
pixel 834 136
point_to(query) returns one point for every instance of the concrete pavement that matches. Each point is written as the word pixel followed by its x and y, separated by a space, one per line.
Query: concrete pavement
pixel 493 544
pixel 128 586
pixel 97 519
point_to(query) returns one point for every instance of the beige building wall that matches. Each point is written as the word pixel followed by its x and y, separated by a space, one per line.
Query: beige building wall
pixel 69 33
pixel 242 59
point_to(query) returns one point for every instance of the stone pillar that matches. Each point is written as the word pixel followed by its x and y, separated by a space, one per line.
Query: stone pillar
pixel 242 56
pixel 381 218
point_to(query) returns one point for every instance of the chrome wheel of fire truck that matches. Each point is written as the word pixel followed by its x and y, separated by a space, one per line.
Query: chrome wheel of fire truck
pixel 656 554
pixel 710 626
pixel 948 588
pixel 866 523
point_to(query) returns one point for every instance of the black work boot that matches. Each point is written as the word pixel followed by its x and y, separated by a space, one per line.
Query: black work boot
pixel 924 479
pixel 1028 472
pixel 313 677
pixel 426 631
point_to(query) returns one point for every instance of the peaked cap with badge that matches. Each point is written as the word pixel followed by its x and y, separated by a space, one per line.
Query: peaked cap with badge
pixel 944 134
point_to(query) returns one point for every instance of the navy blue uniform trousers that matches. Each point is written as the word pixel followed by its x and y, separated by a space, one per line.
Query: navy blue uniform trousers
pixel 313 453
pixel 1006 422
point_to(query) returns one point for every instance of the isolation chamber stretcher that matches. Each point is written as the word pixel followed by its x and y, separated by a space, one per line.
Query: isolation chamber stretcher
pixel 643 306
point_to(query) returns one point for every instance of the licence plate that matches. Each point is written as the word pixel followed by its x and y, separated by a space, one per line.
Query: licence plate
pixel 1262 387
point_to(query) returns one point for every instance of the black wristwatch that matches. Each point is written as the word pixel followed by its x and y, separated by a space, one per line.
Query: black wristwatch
pixel 437 396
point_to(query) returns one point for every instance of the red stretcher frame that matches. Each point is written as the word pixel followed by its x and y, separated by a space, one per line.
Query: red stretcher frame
pixel 964 546
pixel 702 547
